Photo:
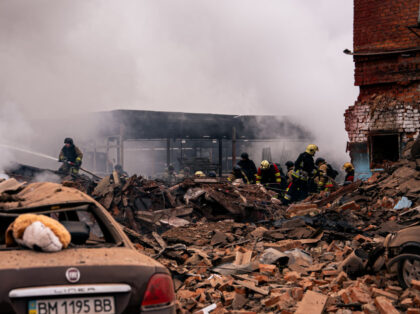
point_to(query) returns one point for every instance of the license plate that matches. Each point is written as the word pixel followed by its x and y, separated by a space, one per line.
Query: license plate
pixel 97 305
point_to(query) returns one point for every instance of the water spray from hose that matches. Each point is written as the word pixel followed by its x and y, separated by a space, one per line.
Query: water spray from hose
pixel 42 155
pixel 27 151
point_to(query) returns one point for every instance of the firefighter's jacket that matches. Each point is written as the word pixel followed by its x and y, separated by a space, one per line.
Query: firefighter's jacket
pixel 304 166
pixel 249 168
pixel 349 176
pixel 270 175
pixel 322 177
pixel 72 154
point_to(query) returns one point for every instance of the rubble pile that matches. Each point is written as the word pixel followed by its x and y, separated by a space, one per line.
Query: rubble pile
pixel 399 179
pixel 292 265
pixel 234 248
pixel 375 202
pixel 293 260
pixel 147 205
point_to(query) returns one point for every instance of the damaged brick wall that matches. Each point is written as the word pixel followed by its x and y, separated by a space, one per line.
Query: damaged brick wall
pixel 378 115
pixel 387 70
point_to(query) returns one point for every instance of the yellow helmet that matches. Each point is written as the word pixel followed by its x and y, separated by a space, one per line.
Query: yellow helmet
pixel 311 149
pixel 348 166
pixel 265 164
pixel 199 174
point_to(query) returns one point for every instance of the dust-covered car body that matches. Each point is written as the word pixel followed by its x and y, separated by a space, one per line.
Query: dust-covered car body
pixel 102 273
pixel 402 254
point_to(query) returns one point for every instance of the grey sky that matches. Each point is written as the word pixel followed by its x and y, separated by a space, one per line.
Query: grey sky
pixel 281 57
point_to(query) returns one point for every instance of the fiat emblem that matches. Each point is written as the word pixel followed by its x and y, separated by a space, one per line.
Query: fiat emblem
pixel 73 275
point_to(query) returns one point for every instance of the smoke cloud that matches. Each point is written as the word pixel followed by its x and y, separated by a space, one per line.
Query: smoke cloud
pixel 13 128
pixel 60 58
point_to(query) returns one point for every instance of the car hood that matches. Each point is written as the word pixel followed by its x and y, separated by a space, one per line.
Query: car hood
pixel 410 234
pixel 17 259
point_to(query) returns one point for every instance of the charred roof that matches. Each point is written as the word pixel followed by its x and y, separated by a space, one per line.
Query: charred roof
pixel 139 124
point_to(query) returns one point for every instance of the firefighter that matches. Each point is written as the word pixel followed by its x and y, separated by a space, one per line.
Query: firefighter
pixel 238 173
pixel 248 166
pixel 71 157
pixel 268 174
pixel 212 174
pixel 199 174
pixel 349 169
pixel 304 171
pixel 323 179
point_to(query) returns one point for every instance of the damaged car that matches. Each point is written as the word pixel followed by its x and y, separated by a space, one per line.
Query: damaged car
pixel 402 254
pixel 100 271
pixel 399 253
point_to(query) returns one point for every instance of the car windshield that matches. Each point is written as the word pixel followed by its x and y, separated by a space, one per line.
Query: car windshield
pixel 84 225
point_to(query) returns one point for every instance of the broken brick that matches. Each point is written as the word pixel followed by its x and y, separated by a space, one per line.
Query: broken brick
pixel 349 206
pixel 415 284
pixel 268 269
pixel 297 293
pixel 291 276
pixel 378 292
pixel 272 301
pixel 312 302
pixel 385 306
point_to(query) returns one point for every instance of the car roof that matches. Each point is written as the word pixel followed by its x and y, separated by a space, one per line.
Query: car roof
pixel 40 194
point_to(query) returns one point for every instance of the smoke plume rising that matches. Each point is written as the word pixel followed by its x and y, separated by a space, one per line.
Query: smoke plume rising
pixel 63 58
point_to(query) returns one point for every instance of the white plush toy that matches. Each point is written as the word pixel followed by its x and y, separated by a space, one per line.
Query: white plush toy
pixel 38 235
pixel 38 232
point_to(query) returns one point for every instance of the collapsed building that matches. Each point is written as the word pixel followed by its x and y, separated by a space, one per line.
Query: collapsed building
pixel 386 54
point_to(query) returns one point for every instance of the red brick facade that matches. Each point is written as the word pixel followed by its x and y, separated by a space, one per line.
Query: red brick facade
pixel 382 24
pixel 387 70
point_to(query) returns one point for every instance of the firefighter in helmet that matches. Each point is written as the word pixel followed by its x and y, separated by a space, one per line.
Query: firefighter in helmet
pixel 304 171
pixel 71 157
pixel 323 180
pixel 268 173
pixel 349 169
pixel 199 174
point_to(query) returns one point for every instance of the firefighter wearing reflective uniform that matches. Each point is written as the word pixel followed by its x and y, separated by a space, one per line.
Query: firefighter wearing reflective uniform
pixel 71 157
pixel 349 169
pixel 238 173
pixel 304 170
pixel 268 173
pixel 322 180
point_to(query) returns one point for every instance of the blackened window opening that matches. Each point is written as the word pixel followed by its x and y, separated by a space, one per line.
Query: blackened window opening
pixel 384 148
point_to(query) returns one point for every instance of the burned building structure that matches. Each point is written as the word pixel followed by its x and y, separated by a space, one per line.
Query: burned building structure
pixel 386 53
pixel 146 142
